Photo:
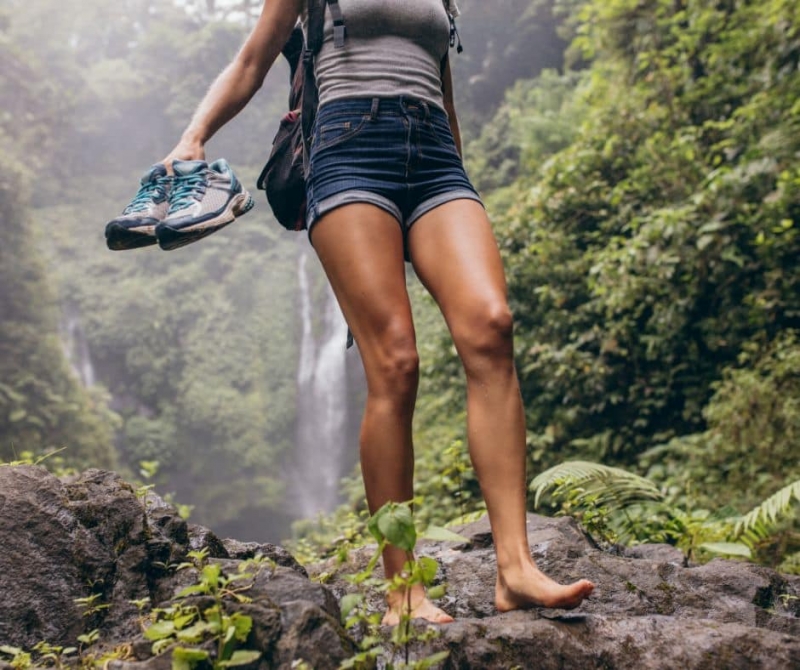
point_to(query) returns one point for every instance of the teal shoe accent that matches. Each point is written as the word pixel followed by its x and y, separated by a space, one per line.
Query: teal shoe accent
pixel 135 227
pixel 204 199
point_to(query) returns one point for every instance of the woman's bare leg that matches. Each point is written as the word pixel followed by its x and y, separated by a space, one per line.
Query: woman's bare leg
pixel 361 249
pixel 455 256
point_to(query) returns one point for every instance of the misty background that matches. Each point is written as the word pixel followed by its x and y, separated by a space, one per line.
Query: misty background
pixel 640 161
pixel 223 362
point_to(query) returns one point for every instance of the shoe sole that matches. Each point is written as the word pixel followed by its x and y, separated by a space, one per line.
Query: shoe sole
pixel 122 238
pixel 172 238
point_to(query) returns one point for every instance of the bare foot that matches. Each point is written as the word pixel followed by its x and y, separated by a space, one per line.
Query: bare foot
pixel 530 587
pixel 421 608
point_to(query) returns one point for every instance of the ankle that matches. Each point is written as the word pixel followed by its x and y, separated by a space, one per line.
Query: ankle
pixel 405 597
pixel 514 562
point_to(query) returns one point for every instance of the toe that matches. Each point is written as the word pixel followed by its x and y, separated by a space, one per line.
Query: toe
pixel 444 617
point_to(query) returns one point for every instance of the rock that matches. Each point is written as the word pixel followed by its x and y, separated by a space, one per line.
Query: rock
pixel 39 579
pixel 94 536
pixel 310 634
pixel 202 538
pixel 284 585
pixel 595 641
pixel 245 550
pixel 648 610
pixel 115 545
pixel 661 553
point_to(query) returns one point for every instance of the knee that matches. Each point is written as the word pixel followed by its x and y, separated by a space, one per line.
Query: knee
pixel 488 336
pixel 396 372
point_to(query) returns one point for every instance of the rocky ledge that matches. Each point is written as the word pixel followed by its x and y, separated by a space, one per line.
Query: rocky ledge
pixel 93 537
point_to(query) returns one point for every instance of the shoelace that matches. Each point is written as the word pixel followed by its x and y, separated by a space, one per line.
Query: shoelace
pixel 152 191
pixel 186 189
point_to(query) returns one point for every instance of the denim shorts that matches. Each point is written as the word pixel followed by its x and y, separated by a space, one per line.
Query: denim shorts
pixel 395 153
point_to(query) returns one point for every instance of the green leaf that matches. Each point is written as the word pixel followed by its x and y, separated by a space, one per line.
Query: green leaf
pixel 196 632
pixel 240 657
pixel 397 526
pixel 242 624
pixel 189 654
pixel 212 573
pixel 17 415
pixel 439 534
pixel 183 620
pixel 770 512
pixel 432 660
pixel 427 568
pixel 192 590
pixel 436 592
pixel 372 524
pixel 160 646
pixel 160 630
pixel 727 548
pixel 610 485
pixel 8 649
pixel 349 602
pixel 185 659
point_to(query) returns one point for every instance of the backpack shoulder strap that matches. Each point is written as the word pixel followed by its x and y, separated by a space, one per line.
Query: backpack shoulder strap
pixel 316 24
pixel 314 39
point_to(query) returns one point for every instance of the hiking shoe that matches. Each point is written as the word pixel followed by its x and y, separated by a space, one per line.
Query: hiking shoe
pixel 136 226
pixel 203 199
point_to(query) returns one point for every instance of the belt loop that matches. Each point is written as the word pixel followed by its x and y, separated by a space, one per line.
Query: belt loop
pixel 373 112
pixel 427 110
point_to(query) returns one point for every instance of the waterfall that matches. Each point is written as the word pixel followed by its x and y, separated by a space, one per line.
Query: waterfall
pixel 76 347
pixel 323 442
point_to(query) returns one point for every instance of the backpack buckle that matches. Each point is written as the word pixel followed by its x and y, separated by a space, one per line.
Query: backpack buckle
pixel 338 33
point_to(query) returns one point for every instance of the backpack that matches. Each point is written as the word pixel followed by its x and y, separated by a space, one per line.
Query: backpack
pixel 284 176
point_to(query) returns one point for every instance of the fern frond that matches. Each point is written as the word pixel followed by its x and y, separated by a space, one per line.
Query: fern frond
pixel 612 485
pixel 790 564
pixel 760 522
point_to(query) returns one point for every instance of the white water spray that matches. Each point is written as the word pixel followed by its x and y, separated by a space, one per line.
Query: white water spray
pixel 76 347
pixel 322 441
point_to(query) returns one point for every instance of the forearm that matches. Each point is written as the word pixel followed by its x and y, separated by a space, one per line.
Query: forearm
pixel 225 98
pixel 239 81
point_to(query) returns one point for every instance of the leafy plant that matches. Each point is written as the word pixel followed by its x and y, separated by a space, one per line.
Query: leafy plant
pixel 393 524
pixel 179 625
pixel 602 483
pixel 763 520
pixel 20 659
pixel 619 506
pixel 54 654
pixel 44 654
pixel 91 604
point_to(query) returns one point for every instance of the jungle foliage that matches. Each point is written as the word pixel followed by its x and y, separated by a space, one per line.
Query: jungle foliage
pixel 197 349
pixel 651 257
pixel 42 404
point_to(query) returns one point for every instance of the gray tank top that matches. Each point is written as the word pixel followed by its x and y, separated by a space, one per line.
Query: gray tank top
pixel 392 48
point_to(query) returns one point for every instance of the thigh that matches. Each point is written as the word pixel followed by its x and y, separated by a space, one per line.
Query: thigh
pixel 361 249
pixel 455 255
